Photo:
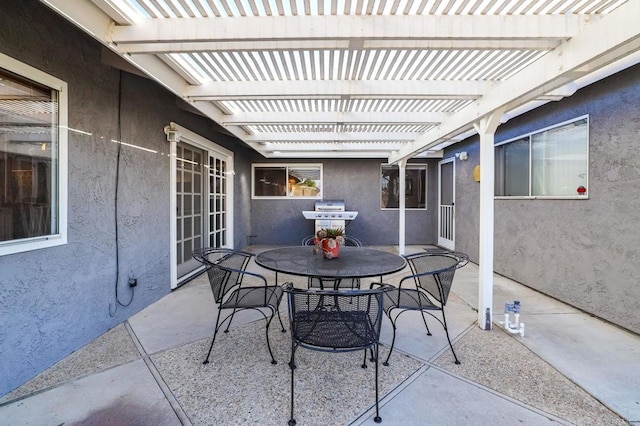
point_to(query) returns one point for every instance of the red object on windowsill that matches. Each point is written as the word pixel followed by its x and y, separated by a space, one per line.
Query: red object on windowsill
pixel 581 190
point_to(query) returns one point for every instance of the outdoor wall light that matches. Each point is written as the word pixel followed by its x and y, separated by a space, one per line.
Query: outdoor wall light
pixel 462 156
pixel 172 134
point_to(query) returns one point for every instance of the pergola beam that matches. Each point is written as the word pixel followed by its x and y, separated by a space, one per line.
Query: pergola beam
pixel 337 89
pixel 606 40
pixel 585 43
pixel 274 29
pixel 404 137
pixel 329 146
pixel 325 154
pixel 331 44
pixel 321 117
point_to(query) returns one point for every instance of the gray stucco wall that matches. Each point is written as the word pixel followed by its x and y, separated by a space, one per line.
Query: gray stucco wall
pixel 357 182
pixel 584 252
pixel 53 301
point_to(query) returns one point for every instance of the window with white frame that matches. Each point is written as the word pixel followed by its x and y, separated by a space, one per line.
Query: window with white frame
pixel 415 187
pixel 33 147
pixel 553 162
pixel 286 180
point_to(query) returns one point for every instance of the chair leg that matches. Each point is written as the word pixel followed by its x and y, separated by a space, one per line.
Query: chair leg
pixel 355 284
pixel 424 320
pixel 273 360
pixel 215 332
pixel 206 361
pixel 292 365
pixel 393 341
pixel 446 331
pixel 364 361
pixel 280 319
pixel 377 418
pixel 230 320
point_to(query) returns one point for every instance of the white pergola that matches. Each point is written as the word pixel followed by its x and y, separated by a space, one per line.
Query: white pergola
pixel 392 79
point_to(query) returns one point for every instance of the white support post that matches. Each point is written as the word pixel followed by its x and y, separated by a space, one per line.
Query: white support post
pixel 486 128
pixel 402 165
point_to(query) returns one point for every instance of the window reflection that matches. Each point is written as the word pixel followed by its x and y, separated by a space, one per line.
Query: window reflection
pixel 552 162
pixel 303 181
pixel 28 158
pixel 414 190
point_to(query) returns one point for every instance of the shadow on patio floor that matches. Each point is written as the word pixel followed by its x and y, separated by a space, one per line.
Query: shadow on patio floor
pixel 149 370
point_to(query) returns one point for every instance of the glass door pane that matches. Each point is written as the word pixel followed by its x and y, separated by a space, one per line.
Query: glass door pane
pixel 189 200
pixel 217 201
pixel 446 202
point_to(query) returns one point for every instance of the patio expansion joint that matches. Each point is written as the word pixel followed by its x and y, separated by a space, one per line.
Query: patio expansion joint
pixel 604 403
pixel 499 394
pixel 431 363
pixel 175 405
pixel 59 375
pixel 514 339
pixel 385 399
pixel 428 365
pixel 444 349
pixel 57 385
pixel 39 391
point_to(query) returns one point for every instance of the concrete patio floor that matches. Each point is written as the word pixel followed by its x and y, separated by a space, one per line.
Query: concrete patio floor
pixel 569 368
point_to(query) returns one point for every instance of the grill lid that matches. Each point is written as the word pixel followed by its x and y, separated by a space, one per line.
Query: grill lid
pixel 330 209
pixel 330 206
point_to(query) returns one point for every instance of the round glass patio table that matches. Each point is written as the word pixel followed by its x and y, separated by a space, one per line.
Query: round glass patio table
pixel 353 262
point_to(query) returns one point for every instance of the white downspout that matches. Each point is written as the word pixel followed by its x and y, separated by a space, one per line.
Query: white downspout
pixel 173 137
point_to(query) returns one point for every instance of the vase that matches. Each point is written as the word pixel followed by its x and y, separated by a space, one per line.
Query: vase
pixel 330 248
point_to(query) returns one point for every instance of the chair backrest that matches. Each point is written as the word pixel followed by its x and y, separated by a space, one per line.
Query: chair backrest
pixel 434 272
pixel 225 268
pixel 335 320
pixel 351 241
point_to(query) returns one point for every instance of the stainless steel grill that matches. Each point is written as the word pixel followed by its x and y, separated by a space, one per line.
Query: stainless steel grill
pixel 330 214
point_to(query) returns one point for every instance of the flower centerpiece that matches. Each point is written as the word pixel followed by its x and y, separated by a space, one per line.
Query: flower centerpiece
pixel 329 241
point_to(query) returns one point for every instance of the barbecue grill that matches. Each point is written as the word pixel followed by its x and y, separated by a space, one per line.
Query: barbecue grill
pixel 330 214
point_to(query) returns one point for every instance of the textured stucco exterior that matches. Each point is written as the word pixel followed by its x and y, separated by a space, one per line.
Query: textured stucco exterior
pixel 55 300
pixel 583 252
pixel 357 182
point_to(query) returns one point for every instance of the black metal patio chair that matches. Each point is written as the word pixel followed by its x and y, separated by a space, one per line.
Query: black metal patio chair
pixel 426 290
pixel 335 321
pixel 331 283
pixel 226 270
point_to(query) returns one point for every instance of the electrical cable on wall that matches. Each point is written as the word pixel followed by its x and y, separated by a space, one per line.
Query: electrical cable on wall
pixel 119 149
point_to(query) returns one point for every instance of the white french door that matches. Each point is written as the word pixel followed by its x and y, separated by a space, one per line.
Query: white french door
pixel 201 200
pixel 190 207
pixel 446 203
pixel 218 231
